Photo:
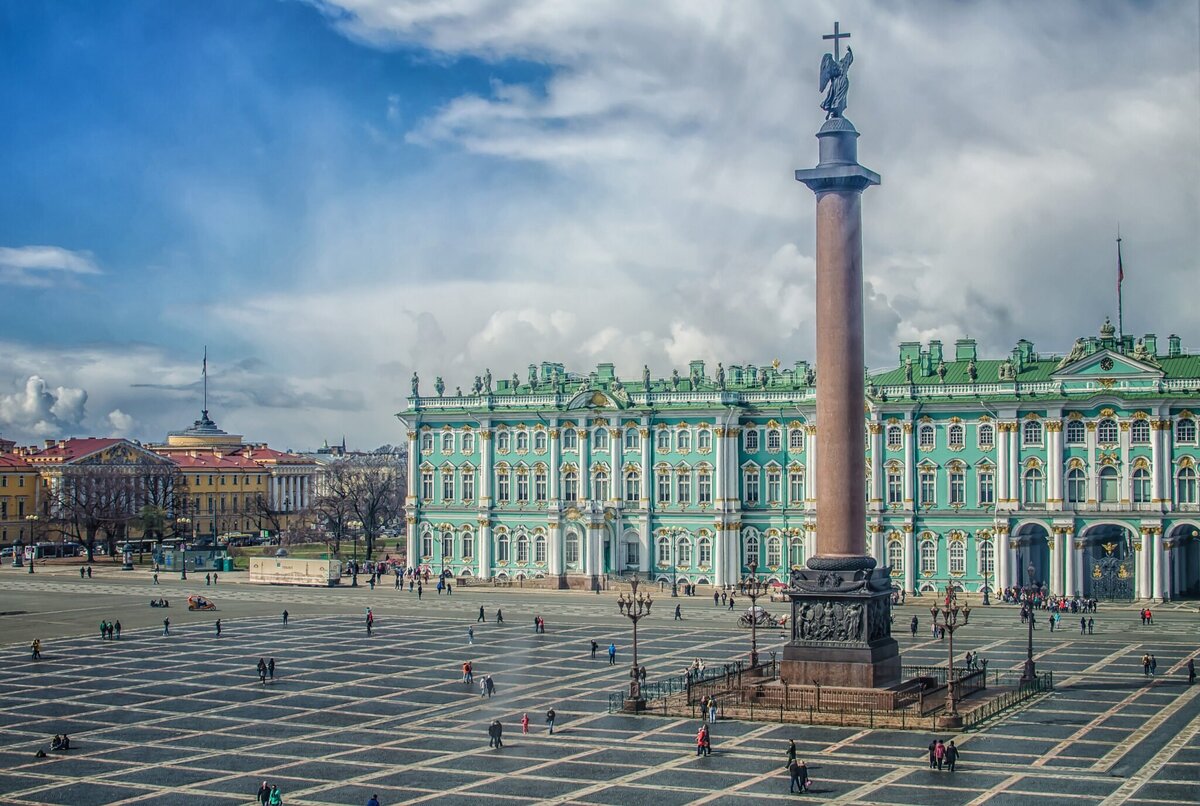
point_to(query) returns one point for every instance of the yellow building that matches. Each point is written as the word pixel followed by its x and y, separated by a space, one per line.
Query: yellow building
pixel 20 496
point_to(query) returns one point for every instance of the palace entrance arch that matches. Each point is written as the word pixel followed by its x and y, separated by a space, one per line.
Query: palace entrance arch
pixel 1033 546
pixel 1109 562
pixel 1185 559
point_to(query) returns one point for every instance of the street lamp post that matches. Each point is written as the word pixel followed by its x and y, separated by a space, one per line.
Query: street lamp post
pixel 353 525
pixel 949 612
pixel 988 559
pixel 33 543
pixel 187 524
pixel 752 587
pixel 1030 672
pixel 634 607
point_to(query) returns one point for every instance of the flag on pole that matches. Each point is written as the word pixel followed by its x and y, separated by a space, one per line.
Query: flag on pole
pixel 1120 265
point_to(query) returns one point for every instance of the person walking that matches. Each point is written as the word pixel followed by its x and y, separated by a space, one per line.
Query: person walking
pixel 103 629
pixel 207 579
pixel 798 771
pixel 36 649
pixel 214 578
pixel 933 754
pixel 1082 625
pixel 498 735
pixel 271 669
pixel 155 577
pixel 276 798
pixel 370 621
pixel 470 635
pixel 550 720
pixel 117 629
pixel 679 612
pixel 951 755
pixel 791 751
pixel 524 723
pixel 912 626
pixel 218 628
pixel 481 616
pixel 264 793
pixel 731 603
pixel 701 736
pixel 262 671
pixel 1191 667
pixel 1146 665
pixel 712 710
pixel 499 616
pixel 1091 624
pixel 612 654
pixel 374 801
pixel 939 753
pixel 1153 666
pixel 490 685
pixel 285 618
pixel 595 646
pixel 716 599
pixel 166 626
pixel 483 687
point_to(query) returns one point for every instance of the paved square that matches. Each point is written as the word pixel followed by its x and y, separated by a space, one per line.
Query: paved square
pixel 183 719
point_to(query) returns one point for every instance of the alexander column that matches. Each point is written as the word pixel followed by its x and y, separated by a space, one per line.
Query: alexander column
pixel 841 604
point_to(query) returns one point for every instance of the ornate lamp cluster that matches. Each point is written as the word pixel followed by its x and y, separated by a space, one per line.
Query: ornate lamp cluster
pixel 949 614
pixel 1029 674
pixel 752 587
pixel 635 607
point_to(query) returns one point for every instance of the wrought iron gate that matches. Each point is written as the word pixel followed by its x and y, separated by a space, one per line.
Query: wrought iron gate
pixel 1112 573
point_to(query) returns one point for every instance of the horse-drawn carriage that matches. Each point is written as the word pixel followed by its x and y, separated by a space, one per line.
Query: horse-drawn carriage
pixel 759 617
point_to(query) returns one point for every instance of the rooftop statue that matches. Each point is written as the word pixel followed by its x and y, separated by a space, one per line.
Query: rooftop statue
pixel 416 382
pixel 835 83
pixel 646 377
pixel 439 386
pixel 720 376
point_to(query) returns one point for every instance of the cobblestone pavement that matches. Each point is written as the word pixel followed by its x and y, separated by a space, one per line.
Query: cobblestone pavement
pixel 182 719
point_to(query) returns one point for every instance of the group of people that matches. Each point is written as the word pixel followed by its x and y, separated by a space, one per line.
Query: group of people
pixel 1041 600
pixel 160 602
pixel 797 770
pixel 266 669
pixel 1147 616
pixel 85 570
pixel 210 578
pixel 942 755
pixel 61 743
pixel 1149 665
pixel 539 625
pixel 110 629
pixel 269 795
pixel 483 618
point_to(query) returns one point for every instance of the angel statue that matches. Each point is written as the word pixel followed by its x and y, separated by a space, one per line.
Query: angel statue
pixel 835 76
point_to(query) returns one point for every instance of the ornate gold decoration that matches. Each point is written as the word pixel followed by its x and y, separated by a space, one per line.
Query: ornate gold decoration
pixel 1054 426
pixel 908 428
pixel 1091 426
pixel 1124 426
pixel 412 435
pixel 875 428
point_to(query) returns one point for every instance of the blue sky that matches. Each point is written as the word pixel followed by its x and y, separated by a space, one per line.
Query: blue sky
pixel 331 195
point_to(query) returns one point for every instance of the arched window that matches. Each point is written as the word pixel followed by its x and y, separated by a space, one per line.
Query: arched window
pixel 570 439
pixel 986 437
pixel 1035 487
pixel 571 550
pixel 662 441
pixel 774 439
pixel 539 440
pixel 750 440
pixel 683 549
pixel 752 550
pixel 502 442
pixel 468 546
pixel 600 485
pixel 925 437
pixel 427 442
pixel 796 438
pixel 1031 432
pixel 633 485
pixel 427 545
pixel 1139 432
pixel 704 440
pixel 522 548
pixel 683 440
pixel 633 440
pixel 447 442
pixel 600 439
pixel 570 481
pixel 539 549
pixel 502 548
pixel 928 557
pixel 774 552
pixel 447 545
pixel 1141 485
pixel 986 558
pixel 1185 430
pixel 664 551
pixel 1106 432
pixel 955 436
pixel 795 552
pixel 895 437
pixel 1076 486
pixel 958 557
pixel 1109 485
pixel 1076 432
pixel 895 556
pixel 468 442
pixel 522 440
pixel 1185 486
pixel 704 545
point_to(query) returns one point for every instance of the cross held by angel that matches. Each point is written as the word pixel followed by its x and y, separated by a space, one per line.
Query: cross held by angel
pixel 835 75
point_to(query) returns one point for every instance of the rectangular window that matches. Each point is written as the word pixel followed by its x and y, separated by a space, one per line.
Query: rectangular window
pixel 895 488
pixel 632 488
pixel 540 493
pixel 468 488
pixel 502 488
pixel 774 487
pixel 704 489
pixel 751 484
pixel 570 487
pixel 683 440
pixel 571 552
pixel 570 439
pixel 447 485
pixel 796 439
pixel 928 490
pixel 468 546
pixel 663 440
pixel 427 485
pixel 522 488
pixel 796 487
pixel 683 489
pixel 958 488
pixel 895 552
pixel 987 488
pixel 663 485
pixel 633 441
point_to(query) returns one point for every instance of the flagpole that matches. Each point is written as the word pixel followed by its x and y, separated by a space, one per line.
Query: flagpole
pixel 1120 280
pixel 204 372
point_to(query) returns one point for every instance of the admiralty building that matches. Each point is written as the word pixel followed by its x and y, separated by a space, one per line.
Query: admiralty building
pixel 1081 466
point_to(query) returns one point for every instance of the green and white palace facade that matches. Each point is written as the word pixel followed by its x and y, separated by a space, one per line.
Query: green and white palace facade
pixel 1083 466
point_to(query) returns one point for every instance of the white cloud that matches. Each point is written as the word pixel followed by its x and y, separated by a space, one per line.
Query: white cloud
pixel 43 265
pixel 120 422
pixel 38 410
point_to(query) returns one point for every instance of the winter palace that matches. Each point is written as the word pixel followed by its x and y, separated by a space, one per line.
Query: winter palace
pixel 1074 471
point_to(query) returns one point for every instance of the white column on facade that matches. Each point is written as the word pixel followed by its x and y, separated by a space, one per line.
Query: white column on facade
pixel 719 452
pixel 1160 461
pixel 616 446
pixel 1014 464
pixel 1003 557
pixel 1071 581
pixel 1126 473
pixel 810 540
pixel 647 474
pixel 1054 463
pixel 1178 559
pixel 1158 565
pixel 879 545
pixel 644 538
pixel 555 461
pixel 585 475
pixel 555 549
pixel 1056 561
pixel 910 559
pixel 485 469
pixel 1142 578
pixel 719 558
pixel 810 470
pixel 909 471
pixel 484 549
pixel 876 495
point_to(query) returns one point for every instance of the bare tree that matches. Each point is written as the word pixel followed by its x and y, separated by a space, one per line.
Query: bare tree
pixel 90 499
pixel 368 489
pixel 266 516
